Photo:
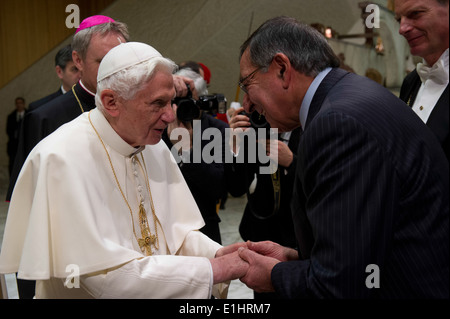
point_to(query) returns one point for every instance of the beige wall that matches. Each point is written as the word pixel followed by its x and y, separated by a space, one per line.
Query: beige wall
pixel 208 31
pixel 32 28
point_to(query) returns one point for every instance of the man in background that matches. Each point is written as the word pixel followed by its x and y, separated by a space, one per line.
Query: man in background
pixel 425 25
pixel 66 71
pixel 13 125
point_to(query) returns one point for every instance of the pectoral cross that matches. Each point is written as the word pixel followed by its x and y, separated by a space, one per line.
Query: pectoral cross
pixel 146 243
pixel 147 239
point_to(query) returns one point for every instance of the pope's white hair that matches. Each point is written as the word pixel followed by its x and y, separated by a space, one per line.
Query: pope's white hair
pixel 126 83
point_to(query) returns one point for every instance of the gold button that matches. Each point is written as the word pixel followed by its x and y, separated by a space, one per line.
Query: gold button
pixel 421 108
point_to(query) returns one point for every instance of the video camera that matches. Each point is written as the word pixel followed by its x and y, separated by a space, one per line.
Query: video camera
pixel 189 108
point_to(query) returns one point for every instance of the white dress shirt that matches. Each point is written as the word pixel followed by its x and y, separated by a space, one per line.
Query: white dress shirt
pixel 434 81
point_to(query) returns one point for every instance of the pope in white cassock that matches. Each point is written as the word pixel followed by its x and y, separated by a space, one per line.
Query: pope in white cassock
pixel 104 196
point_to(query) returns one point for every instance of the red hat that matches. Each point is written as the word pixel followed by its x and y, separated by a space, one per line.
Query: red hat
pixel 206 71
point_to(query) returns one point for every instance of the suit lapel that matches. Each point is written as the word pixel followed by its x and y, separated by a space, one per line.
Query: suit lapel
pixel 438 121
pixel 412 88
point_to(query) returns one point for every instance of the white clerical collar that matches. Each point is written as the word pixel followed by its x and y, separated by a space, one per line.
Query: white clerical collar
pixel 82 85
pixel 62 89
pixel 306 103
pixel 110 136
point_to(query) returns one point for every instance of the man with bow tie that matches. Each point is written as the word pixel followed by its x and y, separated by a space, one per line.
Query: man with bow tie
pixel 425 24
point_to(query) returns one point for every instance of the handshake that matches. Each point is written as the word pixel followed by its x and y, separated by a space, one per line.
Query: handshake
pixel 251 262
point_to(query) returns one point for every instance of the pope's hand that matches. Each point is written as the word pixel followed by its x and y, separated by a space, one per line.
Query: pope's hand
pixel 230 249
pixel 228 267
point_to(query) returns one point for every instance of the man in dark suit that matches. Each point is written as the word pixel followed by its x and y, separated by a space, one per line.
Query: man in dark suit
pixel 13 125
pixel 371 198
pixel 66 71
pixel 424 24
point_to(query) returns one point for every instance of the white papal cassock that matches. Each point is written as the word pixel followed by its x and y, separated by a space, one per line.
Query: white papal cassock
pixel 67 211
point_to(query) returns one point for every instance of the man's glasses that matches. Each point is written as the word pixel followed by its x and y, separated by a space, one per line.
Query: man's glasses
pixel 242 81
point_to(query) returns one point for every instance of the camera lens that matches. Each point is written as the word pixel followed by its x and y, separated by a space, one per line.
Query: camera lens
pixel 187 110
pixel 258 120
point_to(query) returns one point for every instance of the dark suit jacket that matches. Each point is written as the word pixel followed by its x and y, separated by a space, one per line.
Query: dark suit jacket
pixel 259 221
pixel 438 121
pixel 34 105
pixel 372 188
pixel 13 130
pixel 44 121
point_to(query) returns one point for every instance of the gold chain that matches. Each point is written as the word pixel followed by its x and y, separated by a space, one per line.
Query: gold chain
pixel 79 103
pixel 148 239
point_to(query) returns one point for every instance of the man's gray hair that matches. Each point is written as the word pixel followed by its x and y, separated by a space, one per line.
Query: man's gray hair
pixel 307 49
pixel 199 81
pixel 82 39
pixel 126 83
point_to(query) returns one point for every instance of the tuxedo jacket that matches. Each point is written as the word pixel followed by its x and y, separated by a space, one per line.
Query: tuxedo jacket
pixel 34 105
pixel 45 120
pixel 371 192
pixel 438 121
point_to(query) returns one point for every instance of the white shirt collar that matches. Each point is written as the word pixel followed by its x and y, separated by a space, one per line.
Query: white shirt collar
pixel 306 103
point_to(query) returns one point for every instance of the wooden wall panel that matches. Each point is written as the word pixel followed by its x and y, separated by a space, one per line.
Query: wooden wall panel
pixel 31 28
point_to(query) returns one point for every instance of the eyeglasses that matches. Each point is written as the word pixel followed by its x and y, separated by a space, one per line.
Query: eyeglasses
pixel 241 82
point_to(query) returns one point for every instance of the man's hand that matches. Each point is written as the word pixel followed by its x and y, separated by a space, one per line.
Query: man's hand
pixel 273 250
pixel 279 152
pixel 180 83
pixel 238 123
pixel 258 275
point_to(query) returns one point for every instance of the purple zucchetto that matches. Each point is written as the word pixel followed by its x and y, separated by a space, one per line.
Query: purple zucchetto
pixel 93 21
